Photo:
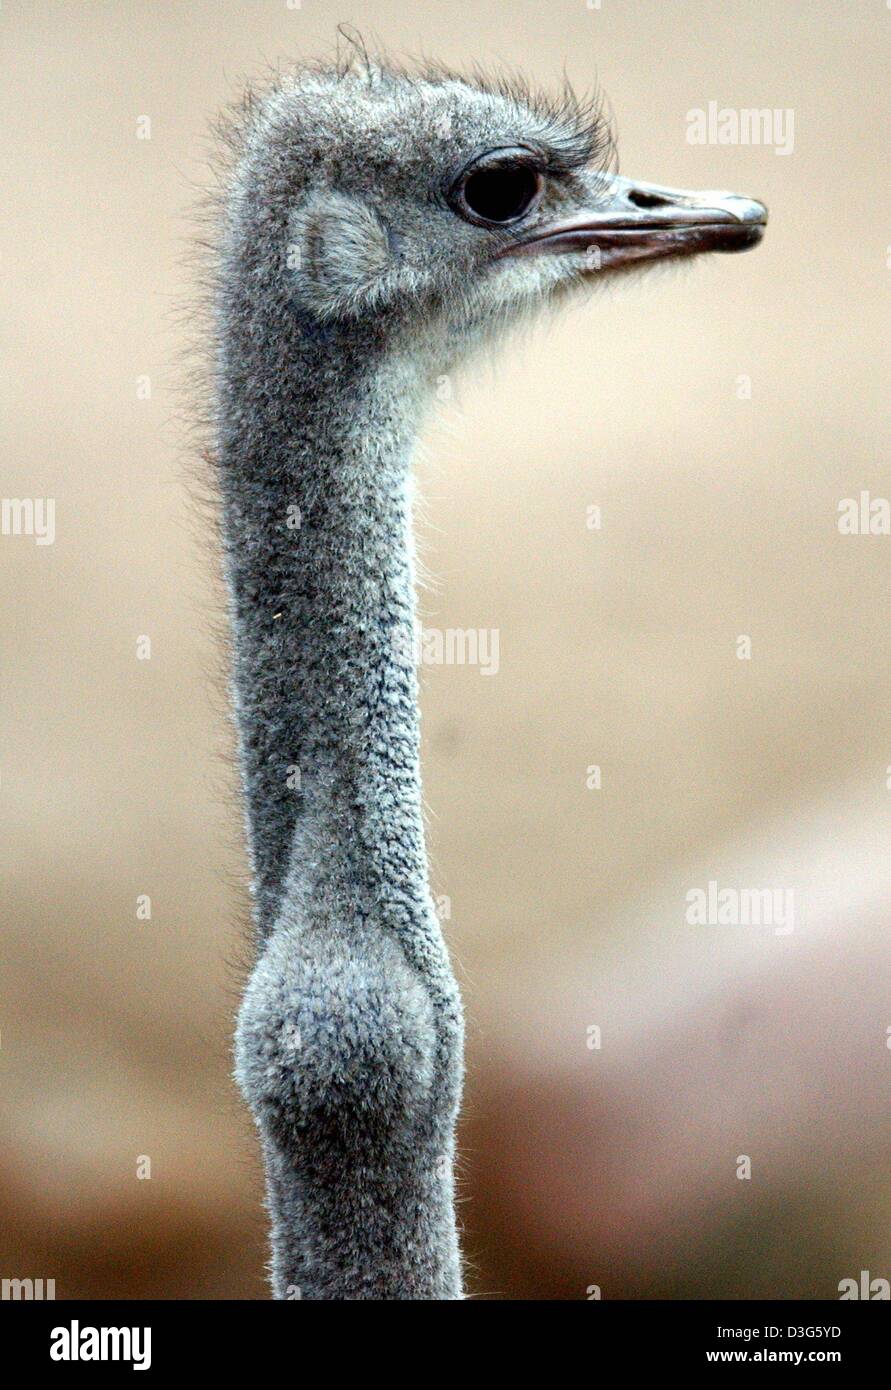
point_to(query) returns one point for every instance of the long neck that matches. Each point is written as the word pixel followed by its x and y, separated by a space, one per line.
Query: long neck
pixel 314 455
pixel 349 1039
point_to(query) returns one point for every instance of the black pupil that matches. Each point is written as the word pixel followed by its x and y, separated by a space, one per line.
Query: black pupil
pixel 500 195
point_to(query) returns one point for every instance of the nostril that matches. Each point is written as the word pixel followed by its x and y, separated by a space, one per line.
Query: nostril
pixel 647 200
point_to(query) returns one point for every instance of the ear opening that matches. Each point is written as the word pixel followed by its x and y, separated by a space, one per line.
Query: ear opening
pixel 341 255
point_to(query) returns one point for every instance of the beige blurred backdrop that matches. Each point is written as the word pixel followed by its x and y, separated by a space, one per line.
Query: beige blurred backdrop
pixel 617 1166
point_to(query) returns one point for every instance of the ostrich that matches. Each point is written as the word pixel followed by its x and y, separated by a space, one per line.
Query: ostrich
pixel 379 224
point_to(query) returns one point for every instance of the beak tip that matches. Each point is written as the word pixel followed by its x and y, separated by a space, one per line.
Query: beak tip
pixel 742 209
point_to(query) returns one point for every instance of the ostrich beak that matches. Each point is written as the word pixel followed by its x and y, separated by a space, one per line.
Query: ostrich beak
pixel 636 222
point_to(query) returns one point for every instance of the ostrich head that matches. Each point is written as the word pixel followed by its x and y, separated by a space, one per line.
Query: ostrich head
pixel 424 208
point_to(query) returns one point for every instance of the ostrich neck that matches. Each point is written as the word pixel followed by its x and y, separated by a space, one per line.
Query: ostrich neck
pixel 315 470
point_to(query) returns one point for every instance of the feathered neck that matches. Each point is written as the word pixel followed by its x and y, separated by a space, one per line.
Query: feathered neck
pixel 315 442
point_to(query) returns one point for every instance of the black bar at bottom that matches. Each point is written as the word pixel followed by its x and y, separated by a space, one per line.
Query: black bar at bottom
pixel 71 1337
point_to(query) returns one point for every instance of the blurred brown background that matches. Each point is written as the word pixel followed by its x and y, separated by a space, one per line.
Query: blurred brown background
pixel 614 1167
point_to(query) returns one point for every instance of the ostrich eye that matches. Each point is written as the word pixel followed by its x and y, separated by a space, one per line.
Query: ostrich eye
pixel 498 188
